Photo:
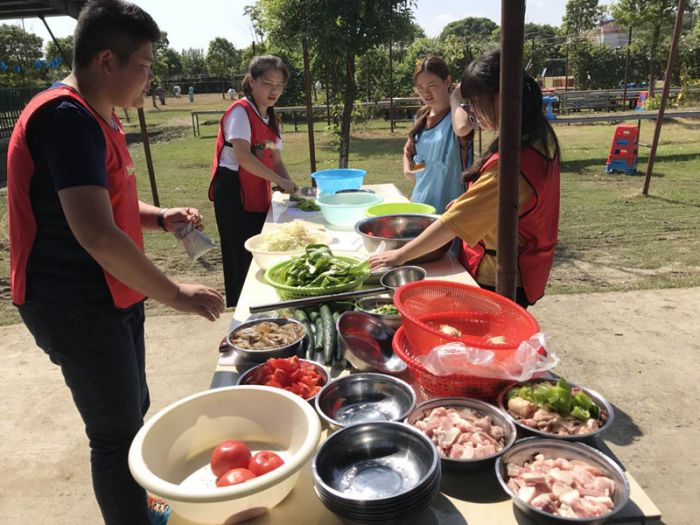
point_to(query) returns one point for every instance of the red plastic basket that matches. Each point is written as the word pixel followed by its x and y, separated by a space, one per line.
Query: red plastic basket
pixel 478 314
pixel 459 385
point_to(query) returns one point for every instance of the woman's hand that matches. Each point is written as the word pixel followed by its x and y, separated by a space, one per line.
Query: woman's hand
pixel 179 215
pixel 389 258
pixel 287 185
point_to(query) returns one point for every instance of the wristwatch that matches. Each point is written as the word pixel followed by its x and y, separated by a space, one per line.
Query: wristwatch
pixel 161 214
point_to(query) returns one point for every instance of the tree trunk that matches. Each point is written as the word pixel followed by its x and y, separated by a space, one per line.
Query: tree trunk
pixel 652 58
pixel 349 100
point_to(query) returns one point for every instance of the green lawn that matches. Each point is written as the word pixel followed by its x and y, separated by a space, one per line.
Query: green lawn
pixel 611 237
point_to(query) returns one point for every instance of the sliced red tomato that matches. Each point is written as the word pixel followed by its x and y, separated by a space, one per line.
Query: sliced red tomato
pixel 291 374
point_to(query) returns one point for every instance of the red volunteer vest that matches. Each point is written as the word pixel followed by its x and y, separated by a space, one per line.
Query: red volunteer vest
pixel 121 184
pixel 538 224
pixel 256 193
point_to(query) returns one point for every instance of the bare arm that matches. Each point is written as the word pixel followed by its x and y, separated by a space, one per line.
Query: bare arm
pixel 90 218
pixel 281 170
pixel 251 164
pixel 408 151
pixel 149 217
pixel 432 238
pixel 461 123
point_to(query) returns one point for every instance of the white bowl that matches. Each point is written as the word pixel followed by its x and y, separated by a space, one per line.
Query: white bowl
pixel 266 259
pixel 176 445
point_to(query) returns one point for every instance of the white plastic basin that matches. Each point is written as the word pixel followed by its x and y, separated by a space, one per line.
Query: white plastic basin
pixel 177 442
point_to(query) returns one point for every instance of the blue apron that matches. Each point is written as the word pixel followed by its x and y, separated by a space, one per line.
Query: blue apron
pixel 441 180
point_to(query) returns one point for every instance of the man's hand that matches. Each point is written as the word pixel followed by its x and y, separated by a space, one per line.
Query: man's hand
pixel 198 299
pixel 180 215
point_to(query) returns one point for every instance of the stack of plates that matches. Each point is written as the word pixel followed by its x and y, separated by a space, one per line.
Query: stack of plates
pixel 378 472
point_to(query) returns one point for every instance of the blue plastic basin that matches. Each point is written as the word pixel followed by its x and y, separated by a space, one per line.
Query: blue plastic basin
pixel 331 180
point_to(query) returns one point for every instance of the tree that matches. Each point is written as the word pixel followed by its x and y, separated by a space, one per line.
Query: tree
pixel 581 16
pixel 193 63
pixel 18 51
pixel 653 15
pixel 53 54
pixel 471 28
pixel 167 62
pixel 222 58
pixel 542 43
pixel 338 31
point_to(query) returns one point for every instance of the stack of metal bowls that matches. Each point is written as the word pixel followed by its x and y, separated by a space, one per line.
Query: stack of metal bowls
pixel 377 473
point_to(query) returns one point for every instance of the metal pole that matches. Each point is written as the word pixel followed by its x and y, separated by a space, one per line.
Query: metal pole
pixel 149 160
pixel 532 54
pixel 391 86
pixel 509 129
pixel 664 96
pixel 627 67
pixel 307 88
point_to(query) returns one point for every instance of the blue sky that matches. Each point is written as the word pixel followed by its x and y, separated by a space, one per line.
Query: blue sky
pixel 194 24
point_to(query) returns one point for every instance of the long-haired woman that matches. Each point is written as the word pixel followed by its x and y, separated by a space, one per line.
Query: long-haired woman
pixel 246 161
pixel 473 216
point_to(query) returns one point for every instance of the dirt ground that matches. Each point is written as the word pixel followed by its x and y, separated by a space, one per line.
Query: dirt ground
pixel 639 349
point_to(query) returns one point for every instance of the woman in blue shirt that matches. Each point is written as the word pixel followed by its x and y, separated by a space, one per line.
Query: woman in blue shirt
pixel 439 144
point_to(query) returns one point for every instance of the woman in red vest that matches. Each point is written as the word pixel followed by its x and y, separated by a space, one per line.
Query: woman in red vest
pixel 473 216
pixel 246 161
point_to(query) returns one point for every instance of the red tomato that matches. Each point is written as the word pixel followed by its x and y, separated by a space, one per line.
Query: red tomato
pixel 290 374
pixel 265 461
pixel 234 477
pixel 229 455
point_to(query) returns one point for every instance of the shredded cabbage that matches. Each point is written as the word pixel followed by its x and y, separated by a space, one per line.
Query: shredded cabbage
pixel 291 236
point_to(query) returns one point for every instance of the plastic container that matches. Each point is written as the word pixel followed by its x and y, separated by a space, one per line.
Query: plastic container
pixel 195 243
pixel 399 208
pixel 332 180
pixel 266 259
pixel 485 319
pixel 345 209
pixel 175 446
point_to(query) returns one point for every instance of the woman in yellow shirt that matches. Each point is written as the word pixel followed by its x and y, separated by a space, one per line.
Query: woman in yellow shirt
pixel 473 215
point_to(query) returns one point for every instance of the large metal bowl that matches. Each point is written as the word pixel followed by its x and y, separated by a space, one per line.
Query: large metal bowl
pixel 363 398
pixel 607 413
pixel 376 472
pixel 525 450
pixel 366 343
pixel 396 231
pixel 481 407
pixel 368 304
pixel 260 356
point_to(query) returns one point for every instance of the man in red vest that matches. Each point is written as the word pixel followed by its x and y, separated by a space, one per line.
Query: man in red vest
pixel 78 272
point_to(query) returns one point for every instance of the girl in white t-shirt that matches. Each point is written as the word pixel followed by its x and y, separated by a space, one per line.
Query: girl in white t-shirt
pixel 247 162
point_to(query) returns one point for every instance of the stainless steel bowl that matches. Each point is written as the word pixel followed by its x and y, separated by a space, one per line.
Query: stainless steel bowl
pixel 366 343
pixel 606 408
pixel 396 231
pixel 482 407
pixel 366 305
pixel 397 277
pixel 525 450
pixel 245 377
pixel 362 398
pixel 375 469
pixel 308 191
pixel 260 356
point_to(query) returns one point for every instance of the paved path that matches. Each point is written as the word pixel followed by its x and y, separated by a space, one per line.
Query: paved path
pixel 640 349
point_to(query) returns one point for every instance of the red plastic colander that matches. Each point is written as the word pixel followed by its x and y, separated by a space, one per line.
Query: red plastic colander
pixel 459 385
pixel 439 312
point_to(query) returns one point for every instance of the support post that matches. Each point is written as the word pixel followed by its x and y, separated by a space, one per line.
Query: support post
pixel 307 89
pixel 509 129
pixel 627 68
pixel 147 154
pixel 664 95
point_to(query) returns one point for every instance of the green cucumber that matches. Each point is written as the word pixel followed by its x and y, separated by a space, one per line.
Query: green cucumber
pixel 329 334
pixel 300 315
pixel 319 333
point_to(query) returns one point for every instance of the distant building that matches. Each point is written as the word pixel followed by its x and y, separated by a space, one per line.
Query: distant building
pixel 609 34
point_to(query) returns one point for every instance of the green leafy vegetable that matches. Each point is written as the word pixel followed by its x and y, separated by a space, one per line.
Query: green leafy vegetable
pixel 319 268
pixel 304 204
pixel 558 397
pixel 384 309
